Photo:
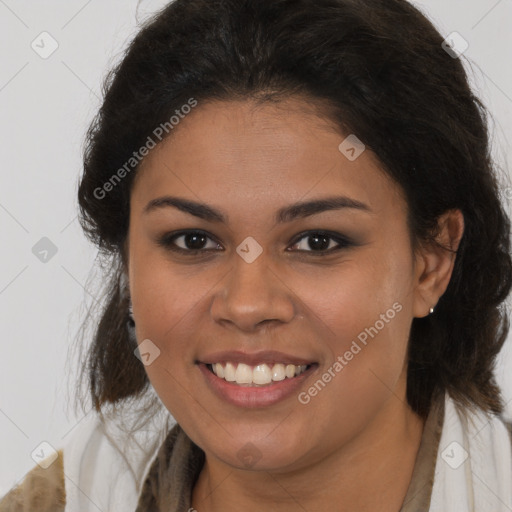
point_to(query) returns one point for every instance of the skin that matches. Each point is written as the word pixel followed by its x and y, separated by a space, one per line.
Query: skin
pixel 353 446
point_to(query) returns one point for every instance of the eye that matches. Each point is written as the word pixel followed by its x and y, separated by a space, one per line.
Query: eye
pixel 191 242
pixel 321 242
pixel 318 243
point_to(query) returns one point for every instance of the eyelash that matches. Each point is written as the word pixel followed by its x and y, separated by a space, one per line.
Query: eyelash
pixel 167 241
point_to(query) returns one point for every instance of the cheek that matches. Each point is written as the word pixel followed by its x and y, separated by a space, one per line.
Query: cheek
pixel 354 296
pixel 165 300
pixel 168 317
pixel 167 305
pixel 367 310
pixel 163 293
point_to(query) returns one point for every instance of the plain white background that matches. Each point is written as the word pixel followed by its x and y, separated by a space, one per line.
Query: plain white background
pixel 46 106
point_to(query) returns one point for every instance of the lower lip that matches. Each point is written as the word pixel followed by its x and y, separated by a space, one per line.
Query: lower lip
pixel 252 396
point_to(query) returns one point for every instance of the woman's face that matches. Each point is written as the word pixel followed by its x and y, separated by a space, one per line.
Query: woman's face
pixel 276 280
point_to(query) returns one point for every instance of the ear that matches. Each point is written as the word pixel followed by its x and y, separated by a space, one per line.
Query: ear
pixel 434 265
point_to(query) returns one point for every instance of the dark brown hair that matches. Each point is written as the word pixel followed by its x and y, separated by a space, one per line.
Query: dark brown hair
pixel 381 68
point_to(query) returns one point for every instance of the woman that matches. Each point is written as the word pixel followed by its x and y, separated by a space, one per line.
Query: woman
pixel 308 260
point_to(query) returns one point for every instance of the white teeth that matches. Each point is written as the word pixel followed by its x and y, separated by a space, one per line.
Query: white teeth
pixel 229 372
pixel 219 370
pixel 243 374
pixel 278 372
pixel 260 375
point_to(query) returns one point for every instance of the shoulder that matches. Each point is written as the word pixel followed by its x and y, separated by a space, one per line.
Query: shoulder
pixel 101 464
pixel 42 490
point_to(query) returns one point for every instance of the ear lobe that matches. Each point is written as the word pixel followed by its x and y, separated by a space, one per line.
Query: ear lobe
pixel 435 262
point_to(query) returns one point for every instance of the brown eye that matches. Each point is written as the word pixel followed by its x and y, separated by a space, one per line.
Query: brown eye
pixel 188 242
pixel 321 242
pixel 318 243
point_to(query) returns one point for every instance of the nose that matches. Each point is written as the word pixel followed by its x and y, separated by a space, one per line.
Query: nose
pixel 252 295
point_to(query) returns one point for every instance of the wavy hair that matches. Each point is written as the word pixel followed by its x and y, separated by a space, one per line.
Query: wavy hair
pixel 376 68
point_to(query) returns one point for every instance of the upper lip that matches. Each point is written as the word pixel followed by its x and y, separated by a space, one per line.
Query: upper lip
pixel 252 359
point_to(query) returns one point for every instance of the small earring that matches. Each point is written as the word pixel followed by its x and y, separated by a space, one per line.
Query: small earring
pixel 431 310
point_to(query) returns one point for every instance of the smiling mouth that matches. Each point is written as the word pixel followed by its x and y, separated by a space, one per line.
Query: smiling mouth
pixel 256 376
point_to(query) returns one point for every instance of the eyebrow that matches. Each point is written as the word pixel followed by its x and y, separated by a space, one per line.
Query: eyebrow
pixel 283 215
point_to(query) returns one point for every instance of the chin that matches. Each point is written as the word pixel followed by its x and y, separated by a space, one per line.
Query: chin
pixel 266 452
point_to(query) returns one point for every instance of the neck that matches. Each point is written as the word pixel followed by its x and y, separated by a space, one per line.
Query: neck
pixel 372 472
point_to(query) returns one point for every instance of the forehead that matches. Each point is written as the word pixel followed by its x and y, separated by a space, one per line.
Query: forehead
pixel 238 152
